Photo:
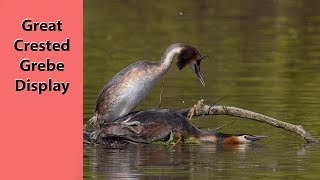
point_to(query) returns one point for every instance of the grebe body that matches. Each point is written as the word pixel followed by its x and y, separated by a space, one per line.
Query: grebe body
pixel 159 124
pixel 128 88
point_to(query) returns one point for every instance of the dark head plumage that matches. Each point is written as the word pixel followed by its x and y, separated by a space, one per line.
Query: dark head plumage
pixel 187 55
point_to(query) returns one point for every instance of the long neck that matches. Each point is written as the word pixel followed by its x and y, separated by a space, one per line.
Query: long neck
pixel 167 59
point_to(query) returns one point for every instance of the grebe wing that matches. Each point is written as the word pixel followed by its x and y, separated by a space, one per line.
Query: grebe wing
pixel 111 90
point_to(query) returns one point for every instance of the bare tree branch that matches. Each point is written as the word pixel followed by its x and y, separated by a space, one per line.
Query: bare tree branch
pixel 201 109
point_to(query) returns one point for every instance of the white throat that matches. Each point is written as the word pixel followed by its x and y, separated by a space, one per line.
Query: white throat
pixel 169 55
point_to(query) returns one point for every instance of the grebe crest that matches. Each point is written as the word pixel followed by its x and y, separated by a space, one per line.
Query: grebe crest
pixel 187 55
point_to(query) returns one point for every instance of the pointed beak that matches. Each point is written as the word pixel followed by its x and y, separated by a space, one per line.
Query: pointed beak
pixel 198 73
pixel 202 58
pixel 255 138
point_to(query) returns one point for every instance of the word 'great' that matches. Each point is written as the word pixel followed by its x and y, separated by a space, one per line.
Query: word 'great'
pixel 28 25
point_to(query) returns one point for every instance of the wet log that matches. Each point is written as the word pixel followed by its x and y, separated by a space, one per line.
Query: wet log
pixel 201 109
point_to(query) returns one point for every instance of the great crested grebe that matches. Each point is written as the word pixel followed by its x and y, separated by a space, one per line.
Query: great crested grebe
pixel 129 87
pixel 158 125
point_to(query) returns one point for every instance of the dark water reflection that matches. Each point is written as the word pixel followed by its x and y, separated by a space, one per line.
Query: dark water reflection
pixel 198 161
pixel 263 55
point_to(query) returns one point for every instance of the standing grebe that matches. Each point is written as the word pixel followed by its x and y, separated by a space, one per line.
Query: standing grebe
pixel 128 88
pixel 158 125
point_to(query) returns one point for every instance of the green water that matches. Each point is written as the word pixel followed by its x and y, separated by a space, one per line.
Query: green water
pixel 263 55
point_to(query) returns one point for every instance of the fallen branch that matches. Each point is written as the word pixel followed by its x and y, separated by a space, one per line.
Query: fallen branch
pixel 201 109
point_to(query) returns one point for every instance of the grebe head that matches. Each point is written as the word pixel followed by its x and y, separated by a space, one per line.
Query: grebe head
pixel 241 138
pixel 190 56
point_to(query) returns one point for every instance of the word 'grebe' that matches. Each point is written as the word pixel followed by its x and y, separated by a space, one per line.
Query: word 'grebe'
pixel 128 88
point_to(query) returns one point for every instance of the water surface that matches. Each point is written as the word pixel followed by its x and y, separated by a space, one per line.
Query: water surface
pixel 263 55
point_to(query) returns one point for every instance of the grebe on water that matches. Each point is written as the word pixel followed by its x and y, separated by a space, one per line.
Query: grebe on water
pixel 128 88
pixel 158 125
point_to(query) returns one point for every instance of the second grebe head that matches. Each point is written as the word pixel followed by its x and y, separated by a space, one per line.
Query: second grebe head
pixel 241 138
pixel 191 56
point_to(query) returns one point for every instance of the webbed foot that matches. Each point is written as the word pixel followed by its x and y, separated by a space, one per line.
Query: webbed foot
pixel 132 123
